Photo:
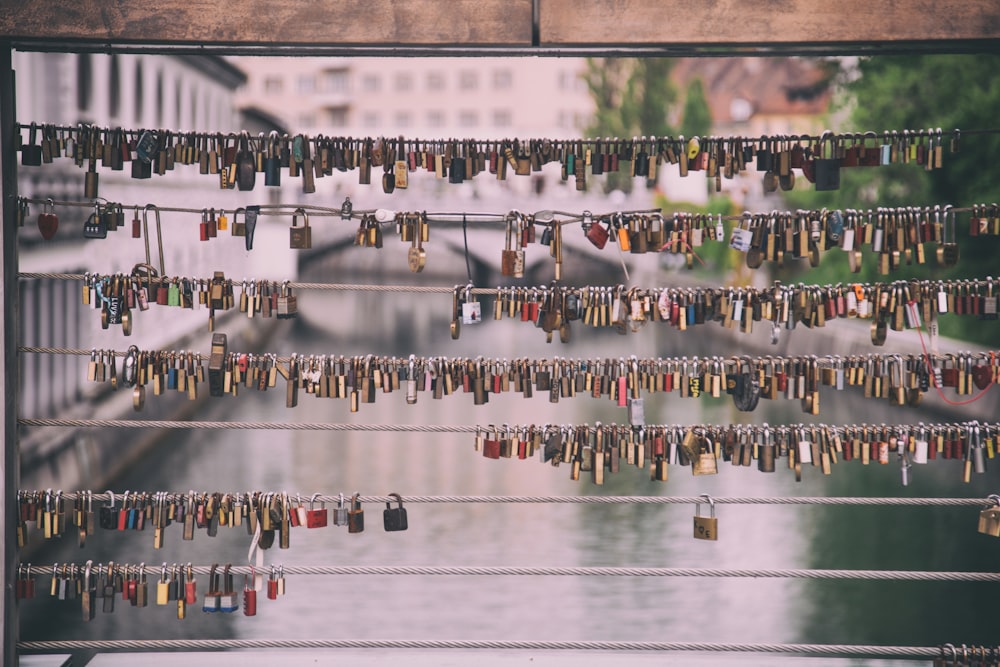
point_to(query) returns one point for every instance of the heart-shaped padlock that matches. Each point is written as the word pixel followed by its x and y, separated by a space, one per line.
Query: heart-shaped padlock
pixel 48 221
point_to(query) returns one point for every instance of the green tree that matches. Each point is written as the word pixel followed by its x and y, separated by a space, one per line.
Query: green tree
pixel 633 97
pixel 697 118
pixel 917 92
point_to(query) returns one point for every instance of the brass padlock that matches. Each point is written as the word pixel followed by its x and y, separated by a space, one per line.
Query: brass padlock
pixel 706 527
pixel 300 238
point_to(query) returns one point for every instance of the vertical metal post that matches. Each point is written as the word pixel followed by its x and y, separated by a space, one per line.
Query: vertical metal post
pixel 11 461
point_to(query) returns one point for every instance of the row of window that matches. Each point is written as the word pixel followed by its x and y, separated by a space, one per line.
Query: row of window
pixel 434 118
pixel 209 116
pixel 338 81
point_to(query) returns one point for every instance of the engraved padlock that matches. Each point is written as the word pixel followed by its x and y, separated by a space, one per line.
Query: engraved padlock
pixel 706 527
pixel 300 238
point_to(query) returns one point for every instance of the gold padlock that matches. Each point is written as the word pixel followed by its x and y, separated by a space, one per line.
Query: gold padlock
pixel 300 238
pixel 706 527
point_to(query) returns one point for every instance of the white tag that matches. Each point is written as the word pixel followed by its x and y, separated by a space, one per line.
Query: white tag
pixel 720 231
pixel 852 304
pixel 616 309
pixel 741 239
pixel 805 451
pixel 864 308
pixel 636 412
pixel 847 240
pixel 912 315
pixel 472 312
pixel 737 310
pixel 942 302
pixel 920 451
pixel 663 305
pixel 877 240
pixel 696 237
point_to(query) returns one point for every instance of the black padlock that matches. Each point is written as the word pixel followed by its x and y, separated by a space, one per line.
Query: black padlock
pixel 246 166
pixel 827 164
pixel 95 227
pixel 272 162
pixel 31 153
pixel 394 518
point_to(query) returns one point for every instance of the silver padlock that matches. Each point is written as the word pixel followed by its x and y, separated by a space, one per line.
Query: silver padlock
pixel 340 512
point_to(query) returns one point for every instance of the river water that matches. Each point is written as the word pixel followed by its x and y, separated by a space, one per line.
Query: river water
pixel 733 610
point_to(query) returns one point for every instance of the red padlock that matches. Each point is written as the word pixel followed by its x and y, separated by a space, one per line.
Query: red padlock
pixel 249 598
pixel 203 226
pixel 316 518
pixel 190 587
pixel 48 221
pixel 136 225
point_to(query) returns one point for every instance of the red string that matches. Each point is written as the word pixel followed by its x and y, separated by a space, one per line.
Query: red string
pixel 927 359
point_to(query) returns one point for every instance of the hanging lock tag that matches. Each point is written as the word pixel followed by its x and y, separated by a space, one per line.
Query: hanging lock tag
pixel 394 518
pixel 706 527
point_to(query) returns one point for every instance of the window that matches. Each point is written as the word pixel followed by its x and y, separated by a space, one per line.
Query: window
pixel 370 119
pixel 371 83
pixel 403 119
pixel 468 118
pixel 467 80
pixel 159 99
pixel 502 118
pixel 336 117
pixel 502 79
pixel 83 81
pixel 273 85
pixel 435 118
pixel 115 88
pixel 335 81
pixel 404 82
pixel 177 106
pixel 307 84
pixel 435 81
pixel 139 93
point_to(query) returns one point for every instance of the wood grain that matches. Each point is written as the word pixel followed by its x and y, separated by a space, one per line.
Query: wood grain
pixel 762 22
pixel 266 22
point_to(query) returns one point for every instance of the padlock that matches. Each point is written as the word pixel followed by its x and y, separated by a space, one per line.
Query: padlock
pixel 316 518
pixel 246 167
pixel 300 238
pixel 827 164
pixel 287 303
pixel 989 517
pixel 355 515
pixel 249 225
pixel 229 601
pixel 394 518
pixel 213 597
pixel 95 227
pixel 48 221
pixel 249 598
pixel 272 584
pixel 340 512
pixel 31 152
pixel 706 527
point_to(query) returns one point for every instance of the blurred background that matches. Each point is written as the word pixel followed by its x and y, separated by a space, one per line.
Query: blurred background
pixel 487 99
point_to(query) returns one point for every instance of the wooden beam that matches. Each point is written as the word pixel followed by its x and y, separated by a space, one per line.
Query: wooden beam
pixel 765 23
pixel 271 22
